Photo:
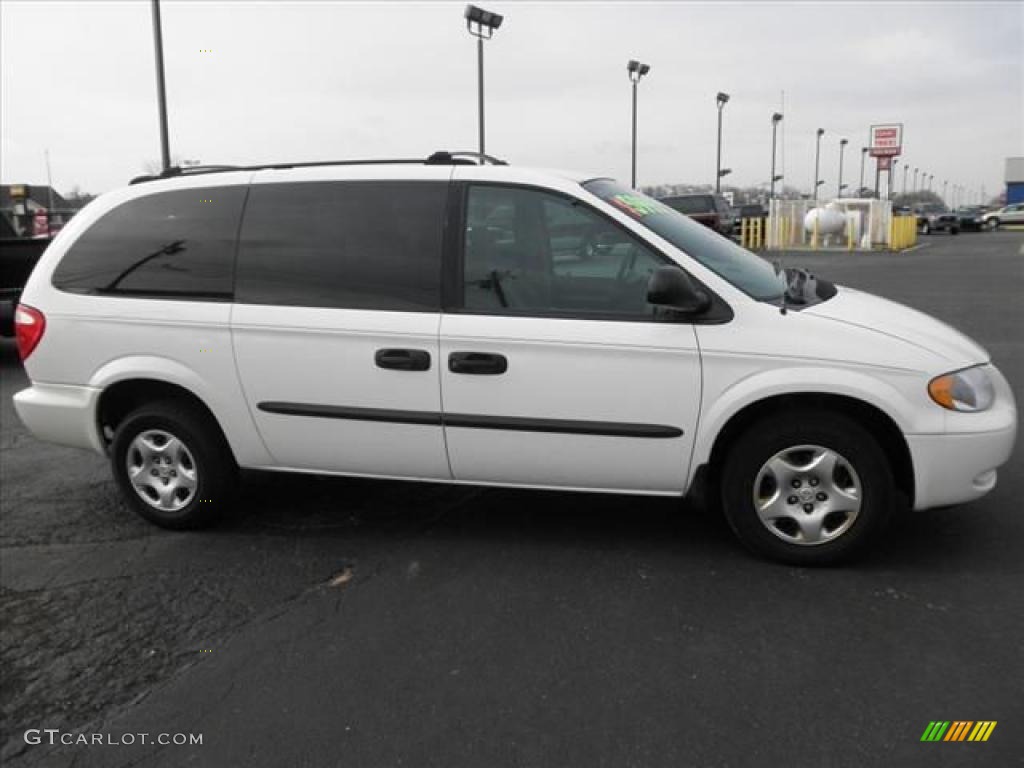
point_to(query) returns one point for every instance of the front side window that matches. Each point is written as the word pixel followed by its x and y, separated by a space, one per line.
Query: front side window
pixel 738 266
pixel 532 252
pixel 177 244
pixel 343 244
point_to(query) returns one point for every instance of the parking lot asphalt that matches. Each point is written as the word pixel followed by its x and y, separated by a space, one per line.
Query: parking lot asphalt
pixel 347 622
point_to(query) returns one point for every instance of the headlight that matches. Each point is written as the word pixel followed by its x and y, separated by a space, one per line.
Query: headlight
pixel 969 390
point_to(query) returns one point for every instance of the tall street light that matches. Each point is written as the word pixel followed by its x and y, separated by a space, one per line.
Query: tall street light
pixel 481 24
pixel 892 174
pixel 161 95
pixel 776 119
pixel 635 70
pixel 915 179
pixel 863 157
pixel 840 185
pixel 944 183
pixel 931 178
pixel 721 100
pixel 906 170
pixel 817 156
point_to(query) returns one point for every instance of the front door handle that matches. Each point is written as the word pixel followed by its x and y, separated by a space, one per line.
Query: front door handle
pixel 403 359
pixel 477 363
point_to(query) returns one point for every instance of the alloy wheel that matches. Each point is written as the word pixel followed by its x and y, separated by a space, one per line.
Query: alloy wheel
pixel 807 495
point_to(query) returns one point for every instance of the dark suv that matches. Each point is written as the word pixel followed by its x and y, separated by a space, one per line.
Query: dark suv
pixel 933 217
pixel 710 210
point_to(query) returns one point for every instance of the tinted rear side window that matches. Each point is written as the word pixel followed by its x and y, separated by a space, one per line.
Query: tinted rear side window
pixel 346 244
pixel 177 244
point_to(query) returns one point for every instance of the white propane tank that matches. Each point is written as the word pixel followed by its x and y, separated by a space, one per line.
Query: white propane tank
pixel 831 220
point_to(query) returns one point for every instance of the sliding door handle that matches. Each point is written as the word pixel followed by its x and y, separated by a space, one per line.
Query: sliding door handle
pixel 403 359
pixel 477 363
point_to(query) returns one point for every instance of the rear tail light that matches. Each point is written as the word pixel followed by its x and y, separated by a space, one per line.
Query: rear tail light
pixel 29 324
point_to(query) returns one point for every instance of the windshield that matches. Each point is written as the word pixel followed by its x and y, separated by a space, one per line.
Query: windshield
pixel 751 274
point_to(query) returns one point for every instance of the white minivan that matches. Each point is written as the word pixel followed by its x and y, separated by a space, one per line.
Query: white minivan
pixel 449 321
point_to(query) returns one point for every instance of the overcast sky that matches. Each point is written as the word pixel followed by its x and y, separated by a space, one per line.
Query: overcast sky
pixel 333 80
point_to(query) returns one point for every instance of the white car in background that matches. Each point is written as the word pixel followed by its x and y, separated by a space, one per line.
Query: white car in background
pixel 1011 214
pixel 485 324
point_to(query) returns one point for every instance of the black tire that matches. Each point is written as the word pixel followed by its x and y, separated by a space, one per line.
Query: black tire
pixel 992 225
pixel 835 432
pixel 207 452
pixel 954 230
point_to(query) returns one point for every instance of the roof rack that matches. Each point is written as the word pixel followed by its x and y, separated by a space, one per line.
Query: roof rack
pixel 463 157
pixel 437 158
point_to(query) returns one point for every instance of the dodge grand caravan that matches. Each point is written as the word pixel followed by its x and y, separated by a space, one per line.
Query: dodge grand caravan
pixel 484 324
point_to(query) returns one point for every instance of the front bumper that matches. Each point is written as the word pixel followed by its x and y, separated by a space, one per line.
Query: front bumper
pixel 956 468
pixel 59 413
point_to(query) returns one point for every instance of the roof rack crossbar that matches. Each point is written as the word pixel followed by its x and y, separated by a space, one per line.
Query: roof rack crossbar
pixel 481 158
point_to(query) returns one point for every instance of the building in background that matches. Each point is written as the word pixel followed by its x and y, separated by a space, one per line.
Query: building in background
pixel 1014 180
pixel 35 210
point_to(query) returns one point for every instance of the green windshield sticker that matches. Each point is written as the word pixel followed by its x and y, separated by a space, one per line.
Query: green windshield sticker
pixel 638 205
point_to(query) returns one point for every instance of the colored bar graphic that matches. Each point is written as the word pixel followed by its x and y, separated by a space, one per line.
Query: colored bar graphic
pixel 958 730
pixel 935 730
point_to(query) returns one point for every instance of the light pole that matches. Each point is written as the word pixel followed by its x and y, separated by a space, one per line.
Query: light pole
pixel 635 70
pixel 892 172
pixel 840 185
pixel 906 170
pixel 817 156
pixel 161 95
pixel 944 183
pixel 481 24
pixel 721 100
pixel 776 119
pixel 915 180
pixel 863 157
pixel 931 178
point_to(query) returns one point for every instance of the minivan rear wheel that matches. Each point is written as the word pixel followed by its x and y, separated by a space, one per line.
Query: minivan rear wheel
pixel 807 489
pixel 173 467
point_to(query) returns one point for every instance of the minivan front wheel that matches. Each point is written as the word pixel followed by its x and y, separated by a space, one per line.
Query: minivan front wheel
pixel 807 490
pixel 173 467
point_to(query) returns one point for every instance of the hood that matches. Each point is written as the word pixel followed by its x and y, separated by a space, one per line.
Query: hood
pixel 873 313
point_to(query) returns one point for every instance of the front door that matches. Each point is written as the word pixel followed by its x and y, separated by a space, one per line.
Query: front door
pixel 556 370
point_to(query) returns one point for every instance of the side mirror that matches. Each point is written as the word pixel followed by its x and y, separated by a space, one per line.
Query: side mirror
pixel 671 288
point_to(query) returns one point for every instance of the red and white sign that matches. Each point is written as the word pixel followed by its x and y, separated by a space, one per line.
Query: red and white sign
pixel 40 223
pixel 886 140
pixel 885 163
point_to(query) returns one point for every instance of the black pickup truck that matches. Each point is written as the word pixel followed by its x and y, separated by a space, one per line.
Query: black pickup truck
pixel 18 255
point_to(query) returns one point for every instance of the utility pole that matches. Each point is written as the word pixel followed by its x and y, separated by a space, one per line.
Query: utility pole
pixel 817 157
pixel 721 100
pixel 863 157
pixel 776 119
pixel 842 148
pixel 635 70
pixel 481 24
pixel 161 95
